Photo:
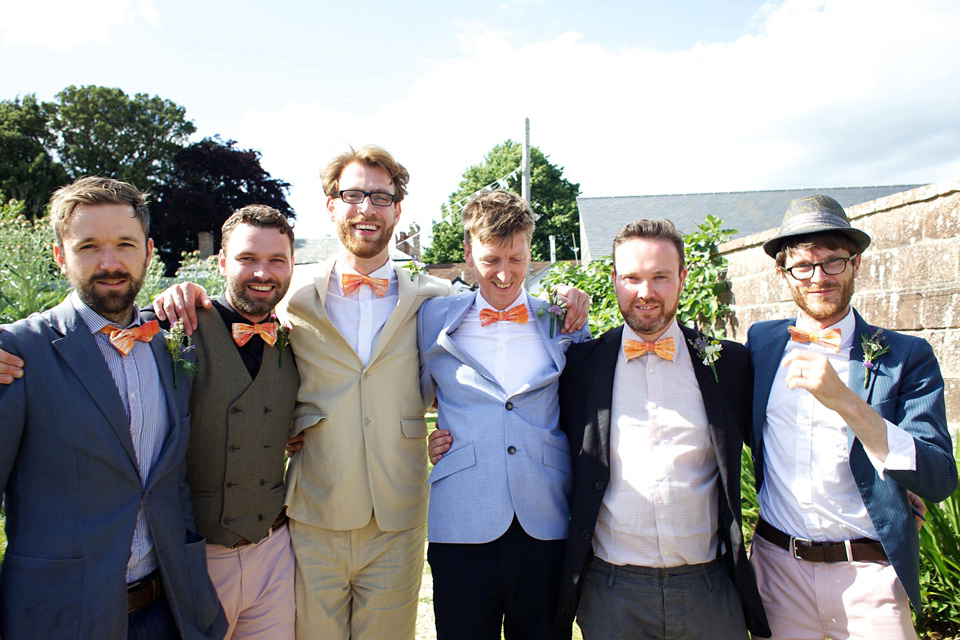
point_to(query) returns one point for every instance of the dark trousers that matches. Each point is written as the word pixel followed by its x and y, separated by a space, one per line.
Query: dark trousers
pixel 152 622
pixel 513 580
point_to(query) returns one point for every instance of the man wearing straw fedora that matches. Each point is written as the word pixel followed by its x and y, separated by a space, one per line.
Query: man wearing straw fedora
pixel 847 418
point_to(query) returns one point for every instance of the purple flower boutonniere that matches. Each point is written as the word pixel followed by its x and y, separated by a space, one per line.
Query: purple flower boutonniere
pixel 708 349
pixel 556 310
pixel 415 267
pixel 283 337
pixel 873 348
pixel 178 343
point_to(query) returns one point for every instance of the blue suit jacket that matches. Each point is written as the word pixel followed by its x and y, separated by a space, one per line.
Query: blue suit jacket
pixel 71 489
pixel 905 388
pixel 586 401
pixel 478 486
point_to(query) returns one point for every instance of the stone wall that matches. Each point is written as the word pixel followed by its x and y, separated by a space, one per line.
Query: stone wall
pixel 909 279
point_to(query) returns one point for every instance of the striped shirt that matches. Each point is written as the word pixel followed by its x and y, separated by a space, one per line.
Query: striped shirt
pixel 138 382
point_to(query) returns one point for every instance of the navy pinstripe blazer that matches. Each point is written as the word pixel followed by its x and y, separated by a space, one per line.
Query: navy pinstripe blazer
pixel 905 388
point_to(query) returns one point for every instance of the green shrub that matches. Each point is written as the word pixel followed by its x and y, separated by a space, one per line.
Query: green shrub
pixel 29 278
pixel 940 567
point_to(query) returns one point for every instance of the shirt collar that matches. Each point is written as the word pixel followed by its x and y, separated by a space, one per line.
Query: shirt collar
pixel 94 321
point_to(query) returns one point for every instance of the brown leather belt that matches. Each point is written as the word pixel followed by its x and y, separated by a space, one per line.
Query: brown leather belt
pixel 861 549
pixel 143 592
pixel 279 522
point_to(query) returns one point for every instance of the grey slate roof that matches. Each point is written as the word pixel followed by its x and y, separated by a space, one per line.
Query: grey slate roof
pixel 748 212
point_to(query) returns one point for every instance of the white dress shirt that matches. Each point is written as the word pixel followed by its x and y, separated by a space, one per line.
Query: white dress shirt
pixel 512 352
pixel 660 507
pixel 808 489
pixel 361 315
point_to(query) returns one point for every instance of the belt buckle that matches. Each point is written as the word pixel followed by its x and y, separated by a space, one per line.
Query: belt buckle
pixel 793 546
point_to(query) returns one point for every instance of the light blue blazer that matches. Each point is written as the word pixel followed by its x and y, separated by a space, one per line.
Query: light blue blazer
pixel 905 388
pixel 71 489
pixel 509 456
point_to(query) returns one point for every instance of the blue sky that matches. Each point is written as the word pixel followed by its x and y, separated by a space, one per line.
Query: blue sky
pixel 630 97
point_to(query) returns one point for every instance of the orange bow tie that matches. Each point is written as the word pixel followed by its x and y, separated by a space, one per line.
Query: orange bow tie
pixel 514 314
pixel 829 338
pixel 350 282
pixel 663 347
pixel 123 339
pixel 242 332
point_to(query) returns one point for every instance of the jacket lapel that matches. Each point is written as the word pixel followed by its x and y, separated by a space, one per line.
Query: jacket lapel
pixel 857 370
pixel 766 352
pixel 171 395
pixel 79 350
pixel 406 296
pixel 458 309
pixel 605 365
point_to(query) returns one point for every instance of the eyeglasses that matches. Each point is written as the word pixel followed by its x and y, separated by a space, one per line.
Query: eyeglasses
pixel 355 196
pixel 831 267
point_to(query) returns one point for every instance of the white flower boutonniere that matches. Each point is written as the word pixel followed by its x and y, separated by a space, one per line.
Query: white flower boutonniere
pixel 415 267
pixel 708 349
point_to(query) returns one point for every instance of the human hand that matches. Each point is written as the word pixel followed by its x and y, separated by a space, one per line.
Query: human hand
pixel 919 508
pixel 577 303
pixel 10 367
pixel 294 444
pixel 180 302
pixel 438 444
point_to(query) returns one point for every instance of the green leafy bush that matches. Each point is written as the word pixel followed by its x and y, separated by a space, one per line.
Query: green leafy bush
pixel 940 567
pixel 29 278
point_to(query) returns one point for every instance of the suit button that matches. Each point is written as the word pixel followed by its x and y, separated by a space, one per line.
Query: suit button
pixel 509 406
pixel 231 484
pixel 227 520
pixel 599 486
pixel 511 449
pixel 263 482
pixel 586 535
pixel 234 410
pixel 267 409
pixel 260 517
pixel 233 447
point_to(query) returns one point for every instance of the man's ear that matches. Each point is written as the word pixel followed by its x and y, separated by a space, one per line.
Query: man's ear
pixel 58 257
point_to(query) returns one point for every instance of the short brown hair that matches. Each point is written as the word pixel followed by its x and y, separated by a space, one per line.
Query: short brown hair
pixel 831 240
pixel 497 215
pixel 649 230
pixel 371 156
pixel 92 191
pixel 257 215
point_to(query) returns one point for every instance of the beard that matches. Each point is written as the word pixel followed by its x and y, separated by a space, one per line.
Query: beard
pixel 820 309
pixel 364 247
pixel 648 324
pixel 112 304
pixel 255 307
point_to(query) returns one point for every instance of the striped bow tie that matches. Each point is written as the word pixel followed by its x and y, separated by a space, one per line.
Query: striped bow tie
pixel 123 339
pixel 829 338
pixel 350 282
pixel 242 332
pixel 663 347
pixel 514 314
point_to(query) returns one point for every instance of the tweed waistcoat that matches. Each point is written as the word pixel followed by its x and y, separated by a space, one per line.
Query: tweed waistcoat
pixel 235 462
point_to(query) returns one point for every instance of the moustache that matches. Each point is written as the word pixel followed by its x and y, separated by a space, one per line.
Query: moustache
pixel 111 275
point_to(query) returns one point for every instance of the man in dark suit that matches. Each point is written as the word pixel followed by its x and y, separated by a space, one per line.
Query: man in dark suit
pixel 92 448
pixel 846 419
pixel 656 415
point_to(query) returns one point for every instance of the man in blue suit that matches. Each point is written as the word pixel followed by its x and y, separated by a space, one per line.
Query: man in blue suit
pixel 499 499
pixel 847 418
pixel 93 440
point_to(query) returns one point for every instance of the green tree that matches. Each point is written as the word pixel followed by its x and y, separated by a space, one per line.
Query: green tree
pixel 552 197
pixel 102 131
pixel 28 173
pixel 211 180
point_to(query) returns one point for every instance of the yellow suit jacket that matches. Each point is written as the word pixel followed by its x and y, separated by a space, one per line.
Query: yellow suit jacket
pixel 363 451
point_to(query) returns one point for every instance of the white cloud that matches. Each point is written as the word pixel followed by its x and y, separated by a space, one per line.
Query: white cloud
pixel 62 24
pixel 824 93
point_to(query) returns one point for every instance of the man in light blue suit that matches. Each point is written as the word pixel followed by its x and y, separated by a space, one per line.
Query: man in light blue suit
pixel 93 437
pixel 499 502
pixel 847 418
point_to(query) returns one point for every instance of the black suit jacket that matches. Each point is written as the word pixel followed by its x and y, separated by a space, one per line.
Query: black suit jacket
pixel 586 394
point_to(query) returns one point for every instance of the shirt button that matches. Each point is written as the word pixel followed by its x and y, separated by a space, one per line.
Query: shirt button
pixel 509 406
pixel 511 449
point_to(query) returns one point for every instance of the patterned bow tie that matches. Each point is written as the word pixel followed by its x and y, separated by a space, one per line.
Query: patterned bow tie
pixel 242 332
pixel 514 314
pixel 123 339
pixel 350 282
pixel 829 338
pixel 663 347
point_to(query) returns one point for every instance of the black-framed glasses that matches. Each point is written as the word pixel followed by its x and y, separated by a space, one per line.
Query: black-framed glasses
pixel 831 267
pixel 355 196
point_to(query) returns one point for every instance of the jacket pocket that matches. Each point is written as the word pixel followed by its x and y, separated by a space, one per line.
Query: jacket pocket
pixel 414 427
pixel 556 458
pixel 453 461
pixel 41 597
pixel 205 602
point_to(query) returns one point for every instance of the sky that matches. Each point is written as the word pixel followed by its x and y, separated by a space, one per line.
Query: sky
pixel 630 97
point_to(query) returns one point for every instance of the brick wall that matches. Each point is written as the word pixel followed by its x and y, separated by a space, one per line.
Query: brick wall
pixel 909 279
